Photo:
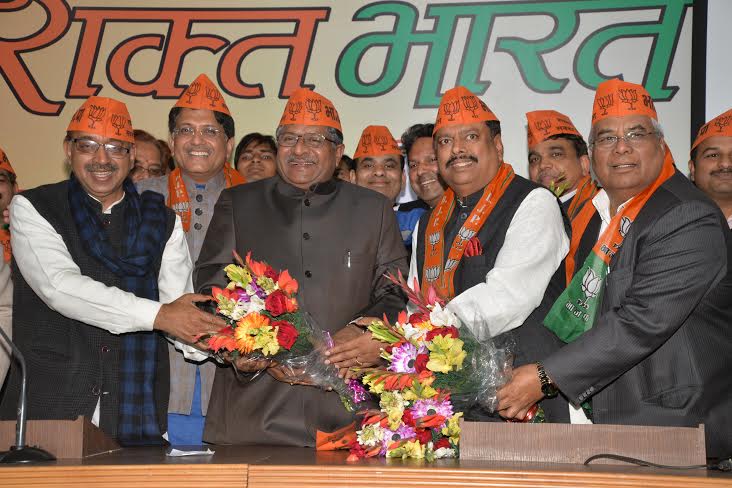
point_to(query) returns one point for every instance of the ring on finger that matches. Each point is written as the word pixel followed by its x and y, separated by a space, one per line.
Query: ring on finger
pixel 358 362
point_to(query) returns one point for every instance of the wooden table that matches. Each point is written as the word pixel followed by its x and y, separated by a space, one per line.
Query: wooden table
pixel 264 466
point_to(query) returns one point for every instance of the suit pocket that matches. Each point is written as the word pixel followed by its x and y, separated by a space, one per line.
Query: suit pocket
pixel 680 398
pixel 474 270
pixel 617 284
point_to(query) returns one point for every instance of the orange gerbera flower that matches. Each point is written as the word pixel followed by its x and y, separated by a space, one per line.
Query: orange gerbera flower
pixel 244 342
pixel 252 320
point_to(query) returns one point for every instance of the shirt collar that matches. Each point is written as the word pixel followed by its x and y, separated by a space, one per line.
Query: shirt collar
pixel 729 222
pixel 108 211
pixel 602 203
pixel 568 196
pixel 217 182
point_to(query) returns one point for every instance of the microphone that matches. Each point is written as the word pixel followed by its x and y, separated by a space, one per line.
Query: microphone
pixel 20 453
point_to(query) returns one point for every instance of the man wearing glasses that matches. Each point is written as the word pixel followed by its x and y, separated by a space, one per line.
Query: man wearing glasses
pixel 148 157
pixel 93 261
pixel 337 240
pixel 647 316
pixel 202 139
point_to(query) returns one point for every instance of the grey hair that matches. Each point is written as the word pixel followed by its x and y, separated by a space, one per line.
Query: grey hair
pixel 334 135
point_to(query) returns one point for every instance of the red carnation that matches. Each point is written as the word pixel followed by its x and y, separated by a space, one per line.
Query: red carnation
pixel 443 442
pixel 450 331
pixel 408 418
pixel 420 362
pixel 276 303
pixel 286 334
pixel 424 436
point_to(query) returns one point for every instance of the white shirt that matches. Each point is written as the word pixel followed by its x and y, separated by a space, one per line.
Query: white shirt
pixel 729 221
pixel 48 268
pixel 567 196
pixel 535 245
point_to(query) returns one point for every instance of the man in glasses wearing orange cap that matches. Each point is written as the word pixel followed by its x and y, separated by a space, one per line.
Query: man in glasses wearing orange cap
pixel 202 139
pixel 8 188
pixel 337 240
pixel 647 314
pixel 379 166
pixel 93 260
pixel 558 159
pixel 710 166
pixel 495 240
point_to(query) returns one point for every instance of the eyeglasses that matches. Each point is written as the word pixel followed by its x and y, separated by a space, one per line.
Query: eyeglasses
pixel 632 138
pixel 153 171
pixel 207 132
pixel 87 146
pixel 311 139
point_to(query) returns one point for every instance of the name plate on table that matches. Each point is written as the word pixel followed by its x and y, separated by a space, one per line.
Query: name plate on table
pixel 573 444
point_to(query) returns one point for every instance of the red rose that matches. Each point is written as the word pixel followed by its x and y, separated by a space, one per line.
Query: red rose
pixel 443 331
pixel 420 363
pixel 276 303
pixel 269 272
pixel 424 436
pixel 286 333
pixel 443 442
pixel 408 418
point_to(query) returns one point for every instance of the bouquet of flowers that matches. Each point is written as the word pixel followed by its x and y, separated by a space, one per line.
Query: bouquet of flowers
pixel 262 314
pixel 436 368
pixel 264 321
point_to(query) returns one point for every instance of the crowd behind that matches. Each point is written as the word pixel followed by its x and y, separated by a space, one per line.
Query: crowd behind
pixel 607 267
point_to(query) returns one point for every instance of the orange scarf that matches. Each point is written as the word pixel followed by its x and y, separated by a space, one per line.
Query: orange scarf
pixel 179 200
pixel 5 241
pixel 613 232
pixel 586 190
pixel 433 272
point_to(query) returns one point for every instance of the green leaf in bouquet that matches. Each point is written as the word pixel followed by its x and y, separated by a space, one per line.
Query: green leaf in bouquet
pixel 384 332
pixel 239 275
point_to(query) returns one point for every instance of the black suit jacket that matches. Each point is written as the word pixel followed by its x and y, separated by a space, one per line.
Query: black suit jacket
pixel 337 241
pixel 660 350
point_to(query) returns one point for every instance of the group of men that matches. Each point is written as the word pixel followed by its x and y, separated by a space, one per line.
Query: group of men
pixel 616 295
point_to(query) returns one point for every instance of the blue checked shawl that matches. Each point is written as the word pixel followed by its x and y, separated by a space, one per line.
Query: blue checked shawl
pixel 145 225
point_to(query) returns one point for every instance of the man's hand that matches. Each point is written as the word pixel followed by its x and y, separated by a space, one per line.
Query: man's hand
pixel 247 365
pixel 286 374
pixel 356 349
pixel 517 396
pixel 182 319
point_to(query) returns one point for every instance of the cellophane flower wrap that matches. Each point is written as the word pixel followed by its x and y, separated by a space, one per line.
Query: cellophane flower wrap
pixel 435 370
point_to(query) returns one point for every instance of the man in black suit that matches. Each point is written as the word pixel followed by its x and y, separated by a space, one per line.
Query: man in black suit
pixel 647 317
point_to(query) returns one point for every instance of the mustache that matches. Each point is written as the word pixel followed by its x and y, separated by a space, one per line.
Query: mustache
pixel 95 167
pixel 723 170
pixel 463 157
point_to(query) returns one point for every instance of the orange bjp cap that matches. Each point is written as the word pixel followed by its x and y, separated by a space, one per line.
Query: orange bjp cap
pixel 459 106
pixel 618 98
pixel 543 124
pixel 5 162
pixel 104 117
pixel 376 140
pixel 307 107
pixel 721 125
pixel 202 94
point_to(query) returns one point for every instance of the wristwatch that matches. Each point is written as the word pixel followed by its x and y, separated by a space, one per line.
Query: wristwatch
pixel 547 387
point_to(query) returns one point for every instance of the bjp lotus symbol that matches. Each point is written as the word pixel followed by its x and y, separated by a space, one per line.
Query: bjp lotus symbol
pixel 590 287
pixel 625 226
